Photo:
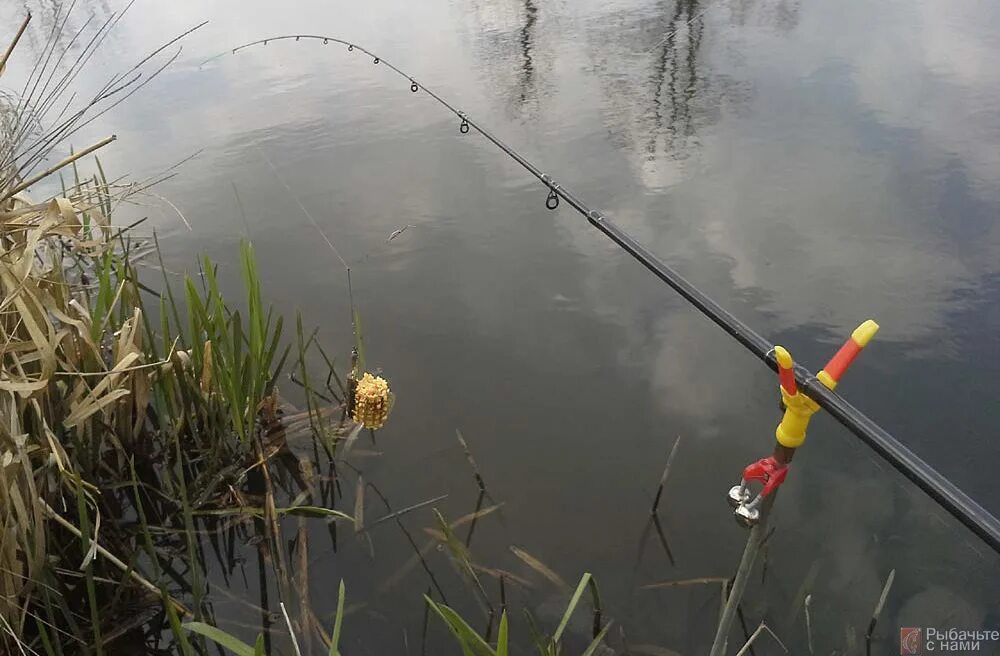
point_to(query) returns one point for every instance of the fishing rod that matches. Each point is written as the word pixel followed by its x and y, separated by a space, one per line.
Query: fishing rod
pixel 945 493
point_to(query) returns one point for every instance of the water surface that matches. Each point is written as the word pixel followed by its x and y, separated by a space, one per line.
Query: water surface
pixel 809 165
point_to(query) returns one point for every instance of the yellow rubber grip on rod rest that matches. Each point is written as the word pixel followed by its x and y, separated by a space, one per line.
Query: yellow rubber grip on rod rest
pixel 799 408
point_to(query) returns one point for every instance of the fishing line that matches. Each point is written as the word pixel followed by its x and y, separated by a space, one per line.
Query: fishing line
pixel 672 33
pixel 945 493
pixel 302 207
pixel 315 223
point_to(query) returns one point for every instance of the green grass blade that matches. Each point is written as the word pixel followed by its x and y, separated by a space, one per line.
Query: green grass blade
pixel 592 648
pixel 55 602
pixel 502 647
pixel 175 625
pixel 268 358
pixel 269 387
pixel 304 374
pixel 258 511
pixel 198 323
pixel 43 634
pixel 220 637
pixel 105 294
pixel 462 558
pixel 571 607
pixel 190 532
pixel 313 511
pixel 541 642
pixel 76 171
pixel 143 522
pixel 338 622
pixel 472 643
pixel 95 612
pixel 595 598
pixel 175 313
pixel 105 196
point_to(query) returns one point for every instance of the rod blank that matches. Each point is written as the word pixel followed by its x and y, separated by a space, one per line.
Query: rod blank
pixel 940 489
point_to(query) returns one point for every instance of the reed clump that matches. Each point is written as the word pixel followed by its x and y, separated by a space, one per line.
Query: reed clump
pixel 128 417
pixel 125 416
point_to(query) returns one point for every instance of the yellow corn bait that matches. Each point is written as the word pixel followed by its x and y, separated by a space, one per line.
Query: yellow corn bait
pixel 371 401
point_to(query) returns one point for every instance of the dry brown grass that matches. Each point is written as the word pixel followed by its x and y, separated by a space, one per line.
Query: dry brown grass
pixel 77 370
pixel 64 376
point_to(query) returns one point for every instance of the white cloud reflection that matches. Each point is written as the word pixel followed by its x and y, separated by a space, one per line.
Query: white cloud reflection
pixel 853 173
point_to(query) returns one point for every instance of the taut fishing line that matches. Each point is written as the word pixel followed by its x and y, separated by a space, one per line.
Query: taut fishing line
pixel 940 489
pixel 319 229
pixel 672 33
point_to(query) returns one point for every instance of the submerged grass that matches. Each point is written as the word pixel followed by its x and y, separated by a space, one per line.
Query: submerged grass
pixel 473 644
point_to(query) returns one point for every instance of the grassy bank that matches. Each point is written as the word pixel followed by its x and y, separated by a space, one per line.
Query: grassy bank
pixel 136 421
pixel 130 415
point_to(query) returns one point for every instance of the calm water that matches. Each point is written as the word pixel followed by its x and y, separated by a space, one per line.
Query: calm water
pixel 809 165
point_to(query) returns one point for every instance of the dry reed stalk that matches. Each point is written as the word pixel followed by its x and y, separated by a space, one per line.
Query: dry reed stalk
pixel 665 475
pixel 539 567
pixel 114 560
pixel 760 629
pixel 54 168
pixel 472 463
pixel 701 580
pixel 878 610
pixel 13 43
